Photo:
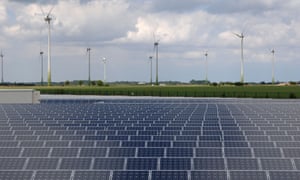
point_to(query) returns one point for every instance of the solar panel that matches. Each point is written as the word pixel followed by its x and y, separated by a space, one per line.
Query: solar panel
pixel 141 164
pixel 276 164
pixel 242 164
pixel 42 163
pixel 179 152
pixel 281 175
pixel 12 163
pixel 91 175
pixel 10 152
pixel 267 152
pixel 238 152
pixel 109 163
pixel 151 152
pixel 209 152
pixel 209 164
pixel 248 175
pixel 35 152
pixel 174 175
pixel 134 175
pixel 151 139
pixel 24 175
pixel 208 175
pixel 175 164
pixel 43 175
pixel 75 163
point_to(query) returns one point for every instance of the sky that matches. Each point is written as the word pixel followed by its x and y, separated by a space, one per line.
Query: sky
pixel 123 31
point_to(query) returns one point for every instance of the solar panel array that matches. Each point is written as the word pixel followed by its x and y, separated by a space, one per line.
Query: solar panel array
pixel 151 139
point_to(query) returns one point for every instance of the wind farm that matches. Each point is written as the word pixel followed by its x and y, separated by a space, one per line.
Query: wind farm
pixel 175 60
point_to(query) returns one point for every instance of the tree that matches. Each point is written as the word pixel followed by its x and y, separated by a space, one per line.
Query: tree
pixel 99 83
pixel 80 82
pixel 67 83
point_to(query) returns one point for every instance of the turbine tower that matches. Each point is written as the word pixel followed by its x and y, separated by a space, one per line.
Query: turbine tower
pixel 104 69
pixel 88 50
pixel 48 18
pixel 42 72
pixel 242 55
pixel 2 78
pixel 206 54
pixel 273 62
pixel 156 42
pixel 150 59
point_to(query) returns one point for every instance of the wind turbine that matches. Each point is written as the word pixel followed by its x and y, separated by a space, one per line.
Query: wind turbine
pixel 48 17
pixel 150 59
pixel 156 42
pixel 42 72
pixel 104 69
pixel 206 55
pixel 242 54
pixel 88 50
pixel 273 62
pixel 2 78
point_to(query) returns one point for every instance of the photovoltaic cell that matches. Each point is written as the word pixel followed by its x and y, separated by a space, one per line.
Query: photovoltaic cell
pixel 172 175
pixel 51 175
pixel 16 175
pixel 242 164
pixel 134 175
pixel 283 175
pixel 109 163
pixel 209 164
pixel 208 175
pixel 175 164
pixel 248 175
pixel 91 175
pixel 142 164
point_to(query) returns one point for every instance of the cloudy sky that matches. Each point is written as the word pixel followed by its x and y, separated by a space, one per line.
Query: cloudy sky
pixel 122 31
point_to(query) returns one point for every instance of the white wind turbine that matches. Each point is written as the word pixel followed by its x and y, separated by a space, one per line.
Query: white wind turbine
pixel 48 18
pixel 273 64
pixel 156 42
pixel 2 78
pixel 88 50
pixel 150 60
pixel 241 36
pixel 42 72
pixel 206 55
pixel 104 69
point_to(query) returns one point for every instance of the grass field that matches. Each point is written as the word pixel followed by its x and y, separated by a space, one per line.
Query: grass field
pixel 182 91
pixel 255 91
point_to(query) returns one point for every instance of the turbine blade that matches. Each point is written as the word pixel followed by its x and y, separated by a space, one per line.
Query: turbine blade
pixel 43 12
pixel 50 10
pixel 238 35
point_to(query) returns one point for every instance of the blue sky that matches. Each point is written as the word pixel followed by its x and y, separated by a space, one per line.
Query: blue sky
pixel 122 31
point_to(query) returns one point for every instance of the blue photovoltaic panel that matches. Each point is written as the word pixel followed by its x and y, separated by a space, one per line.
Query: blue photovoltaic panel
pixel 150 139
pixel 175 164
pixel 174 175
pixel 209 164
pixel 91 175
pixel 134 175
pixel 208 175
pixel 248 175
pixel 142 164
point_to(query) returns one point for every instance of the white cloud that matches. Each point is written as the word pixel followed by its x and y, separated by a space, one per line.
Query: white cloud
pixel 123 30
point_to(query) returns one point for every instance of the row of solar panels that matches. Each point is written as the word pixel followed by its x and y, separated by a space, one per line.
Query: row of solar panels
pixel 77 141
pixel 153 175
pixel 149 152
pixel 148 164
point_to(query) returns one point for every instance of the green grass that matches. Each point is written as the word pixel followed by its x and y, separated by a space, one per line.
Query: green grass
pixel 182 91
pixel 255 91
